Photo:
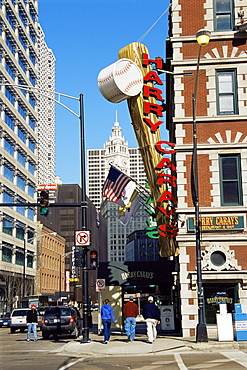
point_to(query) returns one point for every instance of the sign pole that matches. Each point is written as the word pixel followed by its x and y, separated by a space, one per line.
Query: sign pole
pixel 85 298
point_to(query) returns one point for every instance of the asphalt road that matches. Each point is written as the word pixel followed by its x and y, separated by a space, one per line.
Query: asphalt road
pixel 17 354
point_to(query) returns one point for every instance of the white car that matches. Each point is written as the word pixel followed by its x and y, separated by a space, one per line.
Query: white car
pixel 18 319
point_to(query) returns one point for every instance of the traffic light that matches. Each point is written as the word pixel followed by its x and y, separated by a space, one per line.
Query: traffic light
pixel 44 202
pixel 93 259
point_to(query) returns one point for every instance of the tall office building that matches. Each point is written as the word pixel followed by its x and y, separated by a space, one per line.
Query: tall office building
pixel 117 153
pixel 21 63
pixel 46 113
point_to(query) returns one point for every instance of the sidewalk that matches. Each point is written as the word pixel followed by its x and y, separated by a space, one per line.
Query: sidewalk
pixel 118 346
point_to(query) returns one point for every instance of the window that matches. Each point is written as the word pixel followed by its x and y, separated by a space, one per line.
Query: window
pixel 30 214
pixel 9 121
pixel 31 168
pixel 20 231
pixel 30 261
pixel 22 135
pixel 10 96
pixel 8 173
pixel 21 159
pixel 226 84
pixel 9 147
pixel 20 210
pixel 30 191
pixel 224 15
pixel 6 254
pixel 31 146
pixel 22 111
pixel 21 183
pixel 8 226
pixel 8 198
pixel 19 258
pixel 10 70
pixel 31 123
pixel 230 180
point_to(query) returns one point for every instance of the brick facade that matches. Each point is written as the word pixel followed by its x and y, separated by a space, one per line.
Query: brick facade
pixel 217 135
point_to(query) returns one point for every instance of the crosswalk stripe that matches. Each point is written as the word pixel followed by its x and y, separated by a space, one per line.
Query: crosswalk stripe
pixel 180 362
pixel 237 356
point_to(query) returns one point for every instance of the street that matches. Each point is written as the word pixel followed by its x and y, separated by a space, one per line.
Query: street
pixel 17 354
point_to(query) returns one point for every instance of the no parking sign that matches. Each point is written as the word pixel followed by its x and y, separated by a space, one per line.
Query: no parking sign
pixel 100 285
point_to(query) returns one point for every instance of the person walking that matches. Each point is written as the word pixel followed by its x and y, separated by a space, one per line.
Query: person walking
pixel 32 323
pixel 130 313
pixel 151 314
pixel 107 317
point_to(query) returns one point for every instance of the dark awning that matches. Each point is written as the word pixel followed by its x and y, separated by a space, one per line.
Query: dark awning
pixel 136 273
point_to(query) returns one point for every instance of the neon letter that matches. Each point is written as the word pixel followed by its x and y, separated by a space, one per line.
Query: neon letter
pixel 153 126
pixel 152 91
pixel 158 147
pixel 158 61
pixel 152 108
pixel 152 77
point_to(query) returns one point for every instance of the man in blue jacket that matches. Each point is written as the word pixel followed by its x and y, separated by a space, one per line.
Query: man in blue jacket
pixel 107 316
pixel 151 314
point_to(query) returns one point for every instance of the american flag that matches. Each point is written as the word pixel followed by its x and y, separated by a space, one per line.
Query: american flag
pixel 115 184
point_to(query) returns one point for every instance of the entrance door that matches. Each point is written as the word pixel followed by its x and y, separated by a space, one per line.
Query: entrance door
pixel 214 294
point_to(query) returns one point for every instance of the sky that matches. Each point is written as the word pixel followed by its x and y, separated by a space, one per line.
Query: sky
pixel 85 37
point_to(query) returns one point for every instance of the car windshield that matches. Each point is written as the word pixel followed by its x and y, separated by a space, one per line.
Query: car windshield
pixel 20 313
pixel 58 311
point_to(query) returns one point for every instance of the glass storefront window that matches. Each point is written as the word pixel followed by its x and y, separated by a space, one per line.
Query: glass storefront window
pixel 214 294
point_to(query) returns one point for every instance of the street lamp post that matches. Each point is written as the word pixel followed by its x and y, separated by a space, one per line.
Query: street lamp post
pixel 202 37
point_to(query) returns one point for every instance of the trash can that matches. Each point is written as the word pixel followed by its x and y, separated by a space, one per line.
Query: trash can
pixel 240 323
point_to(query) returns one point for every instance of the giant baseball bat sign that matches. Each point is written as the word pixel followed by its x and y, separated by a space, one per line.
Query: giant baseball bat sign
pixel 145 113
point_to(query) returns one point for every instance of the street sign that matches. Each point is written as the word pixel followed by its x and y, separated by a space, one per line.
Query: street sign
pixel 82 238
pixel 100 285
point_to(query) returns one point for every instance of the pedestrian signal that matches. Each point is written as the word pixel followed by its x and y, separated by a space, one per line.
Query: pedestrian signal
pixel 93 259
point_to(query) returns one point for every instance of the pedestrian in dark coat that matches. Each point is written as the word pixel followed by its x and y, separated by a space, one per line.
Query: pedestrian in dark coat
pixel 151 314
pixel 32 323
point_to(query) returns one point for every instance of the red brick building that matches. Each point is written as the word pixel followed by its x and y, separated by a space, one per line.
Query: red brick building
pixel 221 116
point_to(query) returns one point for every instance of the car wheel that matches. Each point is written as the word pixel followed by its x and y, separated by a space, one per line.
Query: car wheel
pixel 75 332
pixel 12 330
pixel 45 335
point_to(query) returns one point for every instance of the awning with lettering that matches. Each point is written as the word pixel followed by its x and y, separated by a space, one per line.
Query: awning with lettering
pixel 136 273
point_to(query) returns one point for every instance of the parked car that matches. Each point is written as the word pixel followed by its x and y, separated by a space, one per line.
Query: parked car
pixel 5 320
pixel 60 320
pixel 18 319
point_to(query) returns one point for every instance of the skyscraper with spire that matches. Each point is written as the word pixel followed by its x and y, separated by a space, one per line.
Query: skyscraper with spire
pixel 128 160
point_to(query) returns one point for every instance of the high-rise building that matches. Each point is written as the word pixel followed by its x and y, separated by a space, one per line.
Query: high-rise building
pixel 46 113
pixel 117 153
pixel 21 63
pixel 220 118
